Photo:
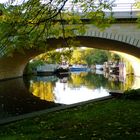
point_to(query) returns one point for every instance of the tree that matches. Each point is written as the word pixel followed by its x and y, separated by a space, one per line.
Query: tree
pixel 115 57
pixel 77 57
pixel 96 56
pixel 31 66
pixel 137 5
pixel 31 23
pixel 55 56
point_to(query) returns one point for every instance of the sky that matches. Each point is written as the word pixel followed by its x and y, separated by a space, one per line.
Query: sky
pixel 125 1
pixel 120 6
pixel 118 1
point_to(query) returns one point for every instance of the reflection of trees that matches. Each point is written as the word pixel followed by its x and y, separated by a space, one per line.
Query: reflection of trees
pixel 118 85
pixel 92 80
pixel 128 82
pixel 44 90
pixel 15 99
pixel 87 79
pixel 77 79
pixel 95 80
pixel 115 85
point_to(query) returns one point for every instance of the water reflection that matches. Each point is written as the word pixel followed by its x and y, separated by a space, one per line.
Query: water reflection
pixel 43 87
pixel 20 96
pixel 71 96
pixel 15 99
pixel 78 86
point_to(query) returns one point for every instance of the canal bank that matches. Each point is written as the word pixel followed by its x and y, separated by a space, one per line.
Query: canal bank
pixel 108 119
pixel 50 110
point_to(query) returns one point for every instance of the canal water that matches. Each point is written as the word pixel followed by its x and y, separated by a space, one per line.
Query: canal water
pixel 29 94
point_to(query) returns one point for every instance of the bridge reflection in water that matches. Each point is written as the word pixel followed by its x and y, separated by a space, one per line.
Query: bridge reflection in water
pixel 78 87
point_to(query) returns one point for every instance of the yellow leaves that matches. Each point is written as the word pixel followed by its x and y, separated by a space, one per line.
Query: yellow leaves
pixel 137 4
pixel 4 18
pixel 31 21
pixel 43 90
pixel 71 18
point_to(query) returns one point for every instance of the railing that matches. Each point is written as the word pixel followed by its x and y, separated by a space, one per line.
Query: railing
pixel 119 10
pixel 125 7
pixel 125 10
pixel 115 7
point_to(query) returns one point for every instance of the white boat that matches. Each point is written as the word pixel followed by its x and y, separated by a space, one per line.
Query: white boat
pixel 46 69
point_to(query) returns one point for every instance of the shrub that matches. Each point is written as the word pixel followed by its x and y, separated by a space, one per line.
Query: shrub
pixel 132 94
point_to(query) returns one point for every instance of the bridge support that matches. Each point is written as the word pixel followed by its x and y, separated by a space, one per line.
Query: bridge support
pixel 12 67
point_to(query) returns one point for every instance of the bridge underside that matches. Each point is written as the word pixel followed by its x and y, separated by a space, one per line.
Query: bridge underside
pixel 12 67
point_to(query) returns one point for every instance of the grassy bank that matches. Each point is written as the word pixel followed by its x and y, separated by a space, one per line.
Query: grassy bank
pixel 105 120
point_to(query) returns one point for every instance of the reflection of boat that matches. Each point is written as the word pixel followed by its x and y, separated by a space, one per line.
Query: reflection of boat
pixel 99 67
pixel 46 69
pixel 64 80
pixel 44 73
pixel 44 78
pixel 61 70
pixel 78 68
pixel 62 75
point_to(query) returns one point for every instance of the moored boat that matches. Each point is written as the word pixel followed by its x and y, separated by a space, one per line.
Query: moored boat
pixel 46 69
pixel 62 69
pixel 79 68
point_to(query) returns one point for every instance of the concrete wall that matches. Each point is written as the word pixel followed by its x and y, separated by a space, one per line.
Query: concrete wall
pixel 13 66
pixel 123 32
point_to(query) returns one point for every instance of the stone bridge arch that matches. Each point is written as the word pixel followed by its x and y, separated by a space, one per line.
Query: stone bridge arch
pixel 11 67
pixel 120 37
